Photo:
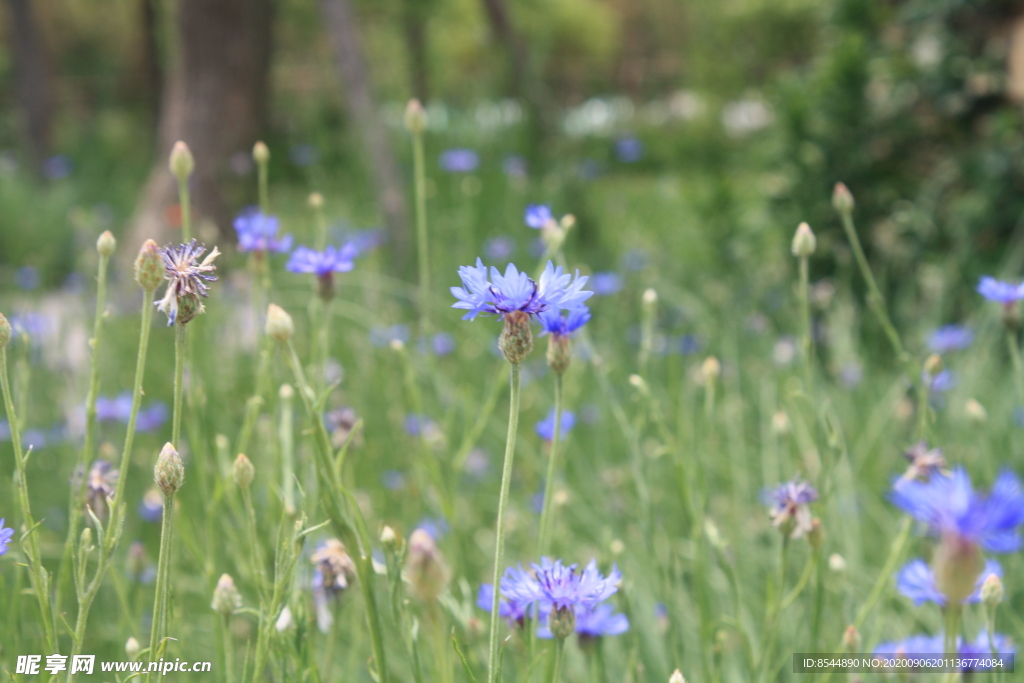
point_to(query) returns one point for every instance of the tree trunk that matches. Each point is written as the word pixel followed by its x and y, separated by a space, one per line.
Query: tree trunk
pixel 32 83
pixel 343 31
pixel 215 101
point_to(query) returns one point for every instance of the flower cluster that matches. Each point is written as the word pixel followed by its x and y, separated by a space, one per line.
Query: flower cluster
pixel 186 279
pixel 259 232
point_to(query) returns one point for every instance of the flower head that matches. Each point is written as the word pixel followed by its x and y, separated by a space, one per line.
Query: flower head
pixel 334 568
pixel 924 462
pixel 537 216
pixel 546 427
pixel 6 534
pixel 512 610
pixel 323 263
pixel 950 338
pixel 516 291
pixel 553 322
pixel 999 291
pixel 606 283
pixel 186 279
pixel 99 487
pixel 258 232
pixel 952 508
pixel 556 586
pixel 917 581
pixel 459 160
pixel 791 507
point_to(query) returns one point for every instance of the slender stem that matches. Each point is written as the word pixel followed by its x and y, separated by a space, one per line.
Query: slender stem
pixel 555 670
pixel 1018 373
pixel 805 314
pixel 229 658
pixel 89 448
pixel 254 543
pixel 287 452
pixel 419 177
pixel 499 536
pixel 162 578
pixel 543 535
pixel 441 643
pixel 180 333
pixel 186 210
pixel 262 173
pixel 952 614
pixel 255 402
pixel 38 577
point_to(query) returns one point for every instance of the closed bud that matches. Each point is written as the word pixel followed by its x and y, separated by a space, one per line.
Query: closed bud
pixel 388 537
pixel 5 331
pixel 284 621
pixel 279 324
pixel 710 369
pixel 415 117
pixel 260 153
pixel 957 565
pixel 992 592
pixel 559 352
pixel 650 299
pixel 132 648
pixel 562 622
pixel 85 543
pixel 837 563
pixel 804 242
pixel 286 392
pixel 243 471
pixel 106 244
pixel 169 473
pixel 975 412
pixel 676 677
pixel 316 201
pixel 933 365
pixel 851 639
pixel 226 598
pixel 567 222
pixel 182 164
pixel 425 566
pixel 516 339
pixel 780 423
pixel 149 266
pixel 842 200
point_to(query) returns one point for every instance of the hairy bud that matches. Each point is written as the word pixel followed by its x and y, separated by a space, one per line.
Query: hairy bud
pixel 804 242
pixel 426 568
pixel 516 339
pixel 415 117
pixel 279 324
pixel 5 331
pixel 106 244
pixel 182 164
pixel 842 200
pixel 243 471
pixel 260 153
pixel 559 352
pixel 562 622
pixel 132 648
pixel 992 592
pixel 676 677
pixel 169 473
pixel 226 598
pixel 149 266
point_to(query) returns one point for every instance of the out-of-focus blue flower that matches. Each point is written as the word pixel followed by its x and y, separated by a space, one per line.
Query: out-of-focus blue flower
pixel 441 344
pixel 685 344
pixel 34 326
pixel 513 611
pixel 606 283
pixel 951 507
pixel 5 430
pixel 950 338
pixel 393 480
pixel 499 248
pixel 186 276
pixel 537 216
pixel 364 241
pixel 917 582
pixel 927 646
pixel 459 160
pixel 589 169
pixel 383 336
pixel 553 322
pixel 33 438
pixel 593 622
pixel 514 166
pixel 119 409
pixel 791 505
pixel 302 155
pixel 152 418
pixel 436 527
pixel 57 167
pixel 546 427
pixel 417 425
pixel 258 232
pixel 941 382
pixel 558 586
pixel 517 291
pixel 151 508
pixel 635 259
pixel 999 291
pixel 851 373
pixel 5 536
pixel 27 277
pixel 323 263
pixel 629 150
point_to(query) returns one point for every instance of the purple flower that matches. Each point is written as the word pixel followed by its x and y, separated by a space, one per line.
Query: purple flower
pixel 546 427
pixel 951 507
pixel 517 291
pixel 791 506
pixel 323 263
pixel 537 216
pixel 57 167
pixel 459 160
pixel 441 344
pixel 606 284
pixel 513 611
pixel 556 324
pixel 418 425
pixel 258 232
pixel 941 382
pixel 999 291
pixel 499 248
pixel 6 534
pixel 917 581
pixel 119 409
pixel 556 586
pixel 186 276
pixel 950 338
pixel 27 278
pixel 152 418
pixel 629 150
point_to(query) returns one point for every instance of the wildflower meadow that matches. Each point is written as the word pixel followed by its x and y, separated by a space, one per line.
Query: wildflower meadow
pixel 600 422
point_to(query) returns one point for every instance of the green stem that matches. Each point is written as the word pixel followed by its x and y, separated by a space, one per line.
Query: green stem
pixel 499 536
pixel 419 177
pixel 555 670
pixel 180 333
pixel 229 658
pixel 1018 373
pixel 186 210
pixel 262 174
pixel 254 543
pixel 543 535
pixel 38 577
pixel 805 314
pixel 162 578
pixel 287 452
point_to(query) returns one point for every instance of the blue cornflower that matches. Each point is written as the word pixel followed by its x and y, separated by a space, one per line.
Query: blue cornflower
pixel 594 622
pixel 556 586
pixel 151 507
pixel 553 322
pixel 258 232
pixel 546 427
pixel 791 507
pixel 459 160
pixel 513 611
pixel 606 284
pixel 6 535
pixel 515 166
pixel 917 581
pixel 537 216
pixel 440 344
pixel 629 150
pixel 334 572
pixel 186 279
pixel 999 291
pixel 941 382
pixel 324 263
pixel 950 338
pixel 952 508
pixel 499 248
pixel 119 409
pixel 417 425
pixel 517 291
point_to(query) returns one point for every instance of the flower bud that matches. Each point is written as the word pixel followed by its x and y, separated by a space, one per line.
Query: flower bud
pixel 106 244
pixel 260 153
pixel 975 412
pixel 676 677
pixel 279 324
pixel 316 201
pixel 415 117
pixel 837 563
pixel 992 592
pixel 516 339
pixel 243 471
pixel 5 331
pixel 780 423
pixel 851 639
pixel 933 365
pixel 710 369
pixel 842 200
pixel 650 299
pixel 284 621
pixel 226 598
pixel 562 622
pixel 425 566
pixel 804 242
pixel 182 164
pixel 957 565
pixel 132 648
pixel 559 352
pixel 388 537
pixel 169 473
pixel 149 266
